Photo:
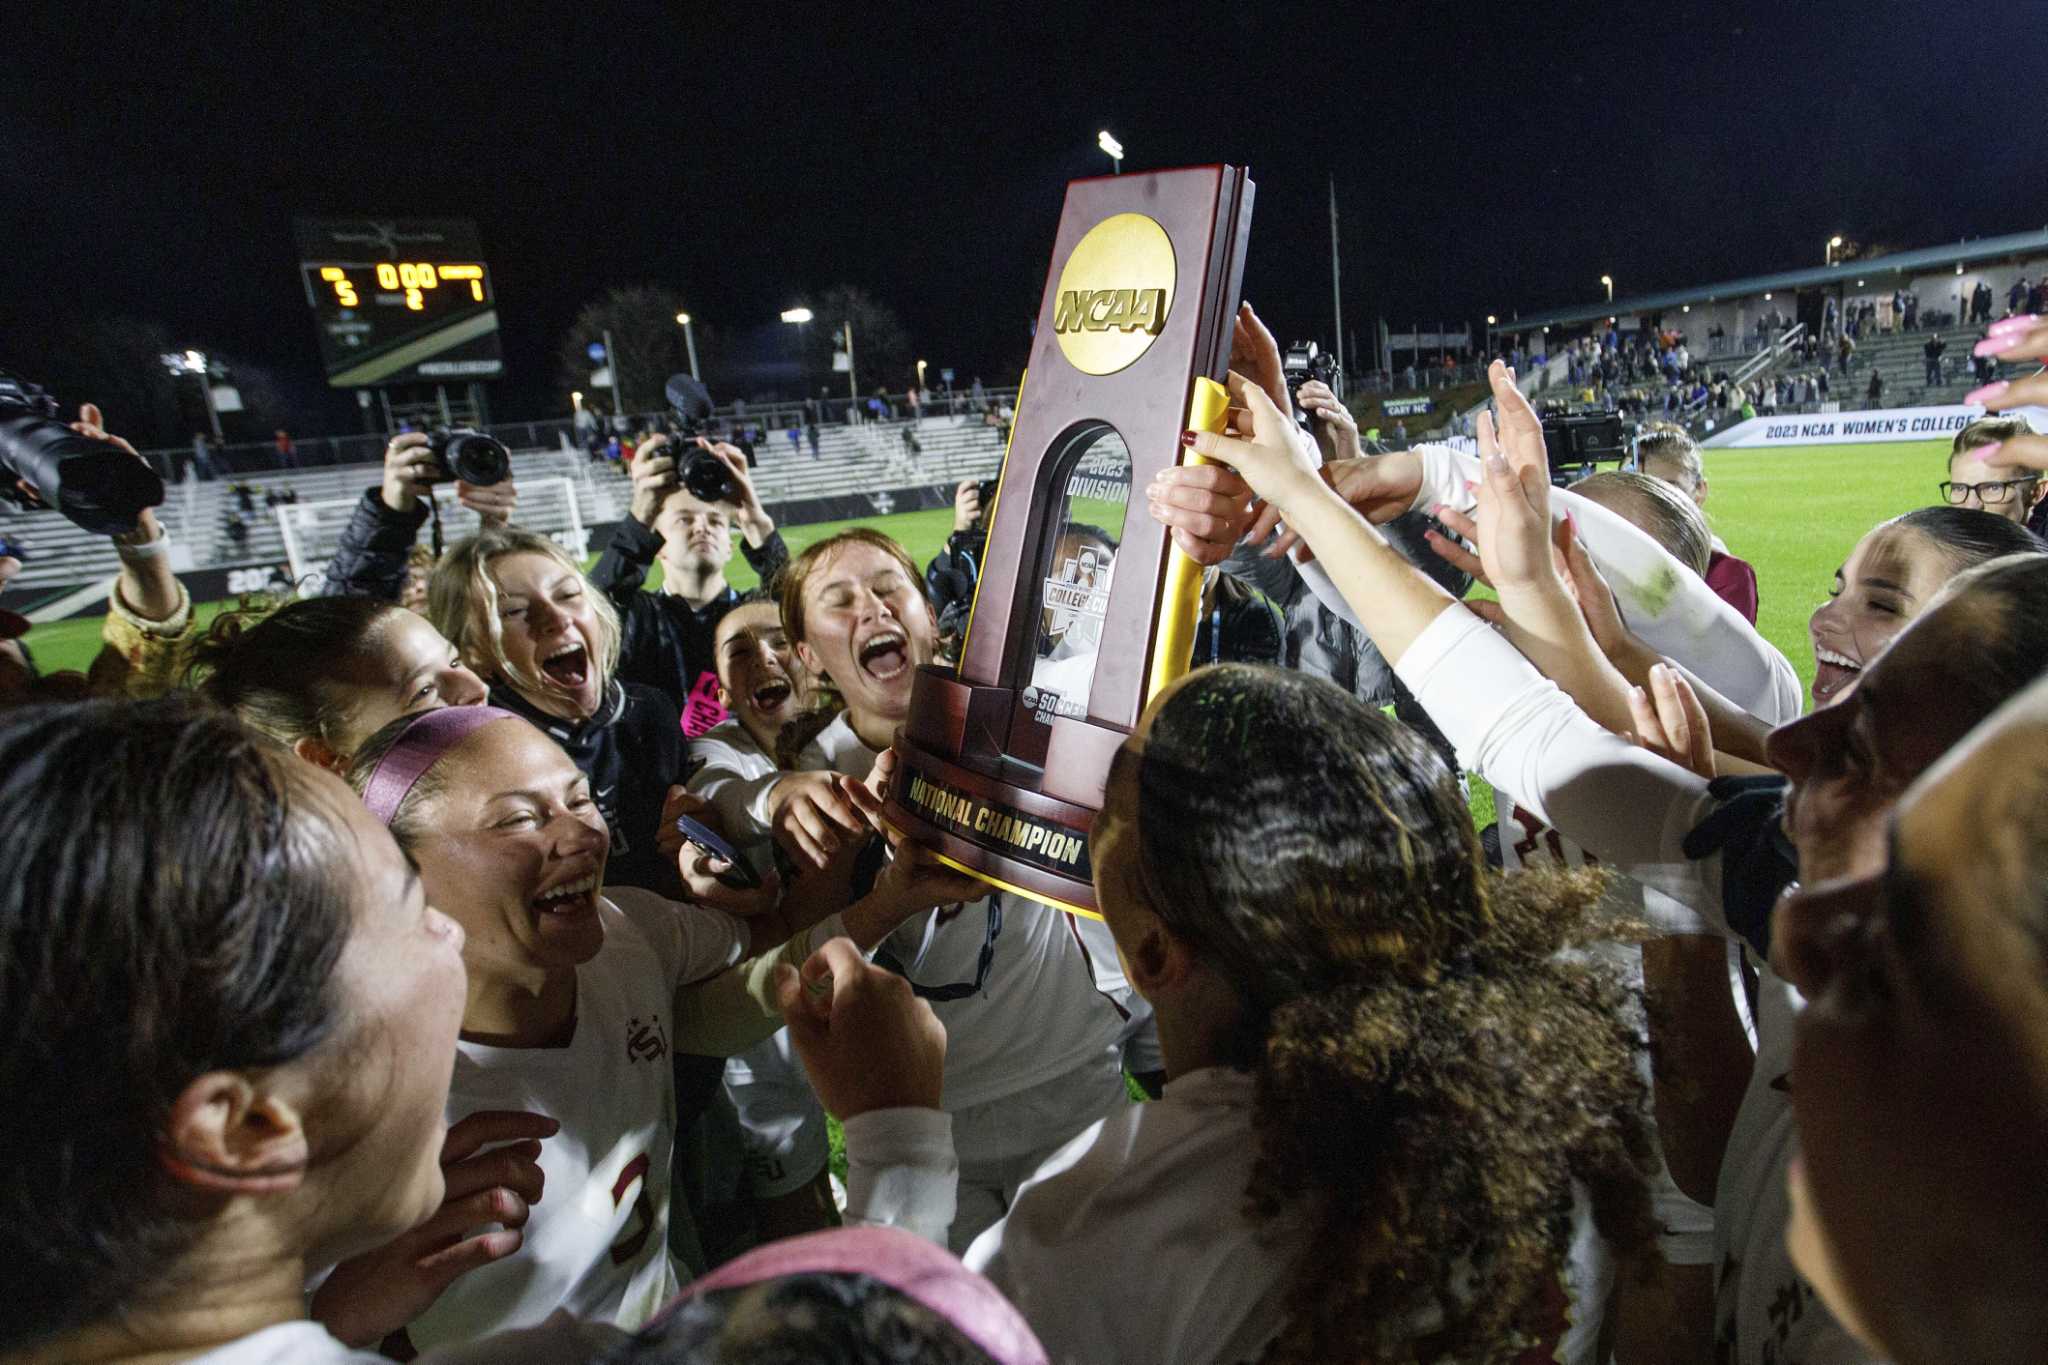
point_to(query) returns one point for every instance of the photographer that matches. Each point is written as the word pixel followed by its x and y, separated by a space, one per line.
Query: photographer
pixel 372 557
pixel 149 613
pixel 668 635
pixel 950 578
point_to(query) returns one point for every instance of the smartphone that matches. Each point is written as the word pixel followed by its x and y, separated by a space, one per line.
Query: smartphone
pixel 705 839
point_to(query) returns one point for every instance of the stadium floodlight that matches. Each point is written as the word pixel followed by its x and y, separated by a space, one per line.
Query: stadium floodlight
pixel 690 341
pixel 1491 319
pixel 1113 149
pixel 576 398
pixel 682 319
pixel 796 315
pixel 195 361
pixel 1767 296
pixel 1834 245
pixel 1608 282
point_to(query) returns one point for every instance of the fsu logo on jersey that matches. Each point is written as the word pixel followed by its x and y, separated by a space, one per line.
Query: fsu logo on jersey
pixel 645 1042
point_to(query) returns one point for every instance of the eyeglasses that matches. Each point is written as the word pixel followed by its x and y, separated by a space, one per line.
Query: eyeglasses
pixel 1990 494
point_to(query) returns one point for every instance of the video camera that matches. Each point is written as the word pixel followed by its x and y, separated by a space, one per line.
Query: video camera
pixel 1576 440
pixel 96 484
pixel 703 473
pixel 471 456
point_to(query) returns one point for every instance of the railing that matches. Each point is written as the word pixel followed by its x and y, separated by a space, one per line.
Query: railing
pixel 320 452
pixel 1770 356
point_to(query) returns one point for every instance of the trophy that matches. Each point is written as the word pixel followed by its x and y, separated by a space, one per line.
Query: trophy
pixel 1084 608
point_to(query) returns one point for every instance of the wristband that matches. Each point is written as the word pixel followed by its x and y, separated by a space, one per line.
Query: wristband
pixel 145 552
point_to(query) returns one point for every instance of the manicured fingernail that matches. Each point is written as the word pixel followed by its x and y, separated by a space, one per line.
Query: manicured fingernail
pixel 1996 344
pixel 1187 438
pixel 1988 392
pixel 1985 453
pixel 1572 522
pixel 2012 324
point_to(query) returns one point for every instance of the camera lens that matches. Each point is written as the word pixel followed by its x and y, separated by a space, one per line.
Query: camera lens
pixel 478 459
pixel 707 478
pixel 95 484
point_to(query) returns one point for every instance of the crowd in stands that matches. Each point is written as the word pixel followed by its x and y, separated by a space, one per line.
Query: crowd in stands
pixel 462 965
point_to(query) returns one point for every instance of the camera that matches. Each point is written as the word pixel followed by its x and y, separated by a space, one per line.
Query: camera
pixel 1305 360
pixel 470 456
pixel 986 491
pixel 1577 440
pixel 96 484
pixel 703 473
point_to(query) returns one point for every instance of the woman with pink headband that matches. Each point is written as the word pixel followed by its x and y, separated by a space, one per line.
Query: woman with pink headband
pixel 578 994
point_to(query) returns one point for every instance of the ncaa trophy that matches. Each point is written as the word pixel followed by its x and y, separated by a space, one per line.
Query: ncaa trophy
pixel 1084 610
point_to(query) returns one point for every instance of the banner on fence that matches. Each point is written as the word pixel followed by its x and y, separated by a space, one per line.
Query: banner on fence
pixel 1850 428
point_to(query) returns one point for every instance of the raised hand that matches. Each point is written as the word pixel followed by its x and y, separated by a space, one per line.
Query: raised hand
pixel 1669 721
pixel 2013 340
pixel 701 872
pixel 815 816
pixel 1275 457
pixel 370 1296
pixel 493 503
pixel 654 474
pixel 409 468
pixel 865 1039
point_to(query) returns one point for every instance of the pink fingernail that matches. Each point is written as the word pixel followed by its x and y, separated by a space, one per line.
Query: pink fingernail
pixel 1994 344
pixel 1988 392
pixel 2012 324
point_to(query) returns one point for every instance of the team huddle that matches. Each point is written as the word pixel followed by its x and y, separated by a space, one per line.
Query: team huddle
pixel 463 965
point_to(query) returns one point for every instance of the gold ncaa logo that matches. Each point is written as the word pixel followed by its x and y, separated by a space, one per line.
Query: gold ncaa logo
pixel 1114 293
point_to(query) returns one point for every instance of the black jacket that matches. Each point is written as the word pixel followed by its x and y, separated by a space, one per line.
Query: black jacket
pixel 666 643
pixel 369 559
pixel 632 751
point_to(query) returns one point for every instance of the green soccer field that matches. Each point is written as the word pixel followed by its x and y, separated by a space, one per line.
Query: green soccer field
pixel 1792 512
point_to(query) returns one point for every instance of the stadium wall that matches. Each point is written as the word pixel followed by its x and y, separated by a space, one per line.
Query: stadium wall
pixel 1849 428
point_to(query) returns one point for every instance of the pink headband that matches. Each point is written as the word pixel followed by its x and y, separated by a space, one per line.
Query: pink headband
pixel 418 748
pixel 906 1263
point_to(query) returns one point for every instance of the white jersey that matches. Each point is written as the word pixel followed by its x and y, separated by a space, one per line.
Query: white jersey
pixel 1152 1202
pixel 781 1122
pixel 1039 1014
pixel 1633 809
pixel 597 1242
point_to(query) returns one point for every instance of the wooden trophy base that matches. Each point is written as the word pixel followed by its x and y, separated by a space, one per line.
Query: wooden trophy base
pixel 1018 828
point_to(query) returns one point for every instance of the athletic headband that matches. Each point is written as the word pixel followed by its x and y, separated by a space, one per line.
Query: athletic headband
pixel 418 748
pixel 910 1265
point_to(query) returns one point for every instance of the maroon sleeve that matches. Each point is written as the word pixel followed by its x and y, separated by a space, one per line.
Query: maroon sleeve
pixel 1734 582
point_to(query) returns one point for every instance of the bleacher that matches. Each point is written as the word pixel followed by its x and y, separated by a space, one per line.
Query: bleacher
pixel 861 459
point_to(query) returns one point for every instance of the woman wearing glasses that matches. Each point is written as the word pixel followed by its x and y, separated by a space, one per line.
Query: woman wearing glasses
pixel 1976 477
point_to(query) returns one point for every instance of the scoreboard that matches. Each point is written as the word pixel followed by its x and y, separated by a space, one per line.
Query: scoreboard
pixel 399 301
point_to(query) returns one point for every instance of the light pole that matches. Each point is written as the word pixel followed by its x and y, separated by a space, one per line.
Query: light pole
pixel 1828 256
pixel 690 341
pixel 1607 281
pixel 195 363
pixel 1113 149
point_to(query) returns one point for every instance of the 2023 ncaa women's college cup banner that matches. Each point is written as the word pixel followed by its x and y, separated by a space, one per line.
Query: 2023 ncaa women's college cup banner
pixel 1849 428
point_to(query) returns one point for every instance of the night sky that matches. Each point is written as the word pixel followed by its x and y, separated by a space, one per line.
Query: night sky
pixel 1488 158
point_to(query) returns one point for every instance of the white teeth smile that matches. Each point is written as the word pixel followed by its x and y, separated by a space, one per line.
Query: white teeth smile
pixel 580 886
pixel 1829 656
pixel 571 648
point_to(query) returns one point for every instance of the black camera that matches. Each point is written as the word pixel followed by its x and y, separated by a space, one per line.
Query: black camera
pixel 95 484
pixel 1578 440
pixel 986 490
pixel 469 456
pixel 1304 361
pixel 706 476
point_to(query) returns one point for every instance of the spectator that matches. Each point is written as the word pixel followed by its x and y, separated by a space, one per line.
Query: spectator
pixel 1976 478
pixel 287 453
pixel 811 433
pixel 1980 302
pixel 1932 351
pixel 1668 453
pixel 2016 296
pixel 1875 394
pixel 1844 348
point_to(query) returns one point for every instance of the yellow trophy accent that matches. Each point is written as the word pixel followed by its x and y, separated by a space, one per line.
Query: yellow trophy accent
pixel 1180 597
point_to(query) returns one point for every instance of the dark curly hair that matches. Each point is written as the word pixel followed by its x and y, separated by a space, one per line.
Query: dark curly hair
pixel 1432 1076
